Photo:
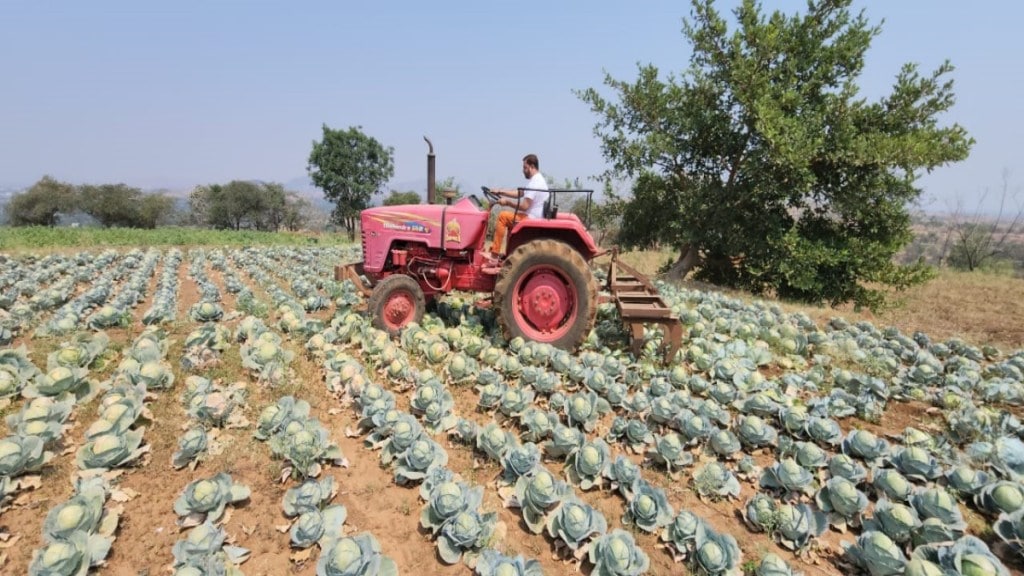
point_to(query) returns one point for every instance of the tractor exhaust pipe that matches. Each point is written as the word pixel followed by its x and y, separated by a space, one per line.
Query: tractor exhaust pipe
pixel 430 172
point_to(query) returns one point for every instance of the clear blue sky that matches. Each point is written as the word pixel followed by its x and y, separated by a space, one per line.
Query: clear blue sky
pixel 172 94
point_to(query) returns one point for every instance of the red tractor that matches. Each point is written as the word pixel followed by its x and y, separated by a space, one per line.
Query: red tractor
pixel 543 290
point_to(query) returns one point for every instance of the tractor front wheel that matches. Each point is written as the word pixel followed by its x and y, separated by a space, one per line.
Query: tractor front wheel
pixel 396 301
pixel 545 292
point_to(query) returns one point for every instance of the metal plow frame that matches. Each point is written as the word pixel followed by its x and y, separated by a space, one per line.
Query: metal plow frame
pixel 639 303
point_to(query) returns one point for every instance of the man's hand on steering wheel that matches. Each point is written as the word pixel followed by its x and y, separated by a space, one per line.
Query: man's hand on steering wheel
pixel 491 196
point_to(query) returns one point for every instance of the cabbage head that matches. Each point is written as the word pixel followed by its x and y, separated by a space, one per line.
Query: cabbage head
pixel 191 446
pixel 422 455
pixel 876 554
pixel 358 555
pixel 895 520
pixel 494 563
pixel 890 484
pixel 680 535
pixel 760 513
pixel 617 554
pixel 206 499
pixel 519 461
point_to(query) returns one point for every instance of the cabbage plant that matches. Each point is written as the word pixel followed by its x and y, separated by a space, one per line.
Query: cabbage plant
pixel 716 553
pixel 843 503
pixel 584 408
pixel 519 461
pixel 585 466
pixel 798 525
pixel 494 441
pixel 843 466
pixel 465 534
pixel 760 513
pixel 358 555
pixel 789 477
pixel 1000 497
pixel 648 509
pixel 876 554
pixel 494 563
pixel 447 499
pixel 1010 527
pixel 916 463
pixel 111 450
pixel 773 565
pixel 966 556
pixel 621 474
pixel 207 498
pixel 422 455
pixel 617 554
pixel 191 446
pixel 537 494
pixel 574 523
pixel 304 445
pixel 275 417
pixel 680 535
pixel 73 555
pixel 564 440
pixel 311 494
pixel 754 433
pixel 890 484
pixel 318 526
pixel 895 520
pixel 204 551
pixel 670 451
pixel 715 481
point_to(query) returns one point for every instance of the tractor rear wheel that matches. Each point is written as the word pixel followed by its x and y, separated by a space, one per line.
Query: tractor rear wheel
pixel 396 301
pixel 545 292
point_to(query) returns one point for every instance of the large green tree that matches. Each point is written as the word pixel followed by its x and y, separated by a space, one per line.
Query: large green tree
pixel 42 203
pixel 349 167
pixel 764 165
pixel 111 204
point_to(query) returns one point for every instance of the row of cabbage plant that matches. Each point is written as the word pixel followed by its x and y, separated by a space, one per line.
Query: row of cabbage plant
pixel 164 307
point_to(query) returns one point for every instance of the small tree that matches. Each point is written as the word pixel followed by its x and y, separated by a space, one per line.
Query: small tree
pixel 111 204
pixel 42 203
pixel 155 209
pixel 349 167
pixel 977 239
pixel 396 198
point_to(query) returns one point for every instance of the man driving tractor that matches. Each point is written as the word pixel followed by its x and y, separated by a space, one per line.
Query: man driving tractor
pixel 526 203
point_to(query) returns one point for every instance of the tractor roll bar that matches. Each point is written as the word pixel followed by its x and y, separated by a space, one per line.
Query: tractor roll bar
pixel 551 206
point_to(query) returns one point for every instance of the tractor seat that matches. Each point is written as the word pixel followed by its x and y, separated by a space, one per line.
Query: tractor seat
pixel 550 210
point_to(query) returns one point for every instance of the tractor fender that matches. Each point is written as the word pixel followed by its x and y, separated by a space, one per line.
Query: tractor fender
pixel 565 228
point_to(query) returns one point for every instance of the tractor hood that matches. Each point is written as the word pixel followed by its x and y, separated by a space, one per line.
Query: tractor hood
pixel 434 226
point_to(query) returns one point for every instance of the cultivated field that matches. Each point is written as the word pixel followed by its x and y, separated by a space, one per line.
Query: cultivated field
pixel 231 408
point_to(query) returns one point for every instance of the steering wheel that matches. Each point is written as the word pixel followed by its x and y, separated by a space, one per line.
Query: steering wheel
pixel 491 196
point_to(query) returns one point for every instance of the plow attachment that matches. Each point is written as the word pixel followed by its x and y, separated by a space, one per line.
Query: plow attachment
pixel 639 303
pixel 353 272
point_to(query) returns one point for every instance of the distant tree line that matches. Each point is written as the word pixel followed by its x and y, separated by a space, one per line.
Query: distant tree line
pixel 236 205
pixel 49 200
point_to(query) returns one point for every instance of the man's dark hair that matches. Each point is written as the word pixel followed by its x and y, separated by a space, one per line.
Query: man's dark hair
pixel 531 160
